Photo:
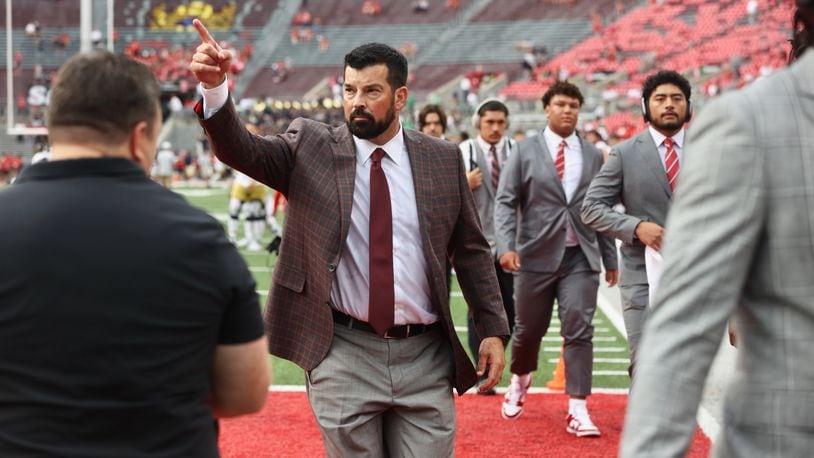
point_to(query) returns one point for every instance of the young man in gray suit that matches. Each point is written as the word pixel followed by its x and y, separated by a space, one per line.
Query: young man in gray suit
pixel 484 156
pixel 555 255
pixel 641 174
pixel 740 244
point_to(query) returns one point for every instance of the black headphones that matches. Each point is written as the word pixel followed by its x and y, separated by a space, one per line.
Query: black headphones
pixel 646 110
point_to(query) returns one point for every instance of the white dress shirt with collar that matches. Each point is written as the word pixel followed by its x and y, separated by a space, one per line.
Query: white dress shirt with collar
pixel 573 170
pixel 350 289
pixel 499 148
pixel 678 141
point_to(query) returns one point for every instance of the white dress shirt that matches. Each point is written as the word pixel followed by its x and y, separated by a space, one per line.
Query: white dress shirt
pixel 499 149
pixel 678 146
pixel 351 284
pixel 573 170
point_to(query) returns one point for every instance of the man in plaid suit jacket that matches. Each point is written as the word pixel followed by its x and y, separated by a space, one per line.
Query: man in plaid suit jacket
pixel 371 394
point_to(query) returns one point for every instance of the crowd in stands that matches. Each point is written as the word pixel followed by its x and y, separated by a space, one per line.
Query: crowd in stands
pixel 10 164
pixel 170 63
pixel 273 116
pixel 180 16
pixel 721 45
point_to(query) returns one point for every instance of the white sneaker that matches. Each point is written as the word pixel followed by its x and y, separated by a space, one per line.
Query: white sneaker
pixel 254 246
pixel 579 423
pixel 240 243
pixel 515 397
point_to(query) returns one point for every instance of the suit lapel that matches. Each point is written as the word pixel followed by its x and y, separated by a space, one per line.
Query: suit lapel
pixel 423 177
pixel 587 165
pixel 548 166
pixel 422 183
pixel 344 153
pixel 482 157
pixel 650 156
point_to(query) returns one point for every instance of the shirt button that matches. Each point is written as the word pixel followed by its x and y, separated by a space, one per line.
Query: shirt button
pixel 331 267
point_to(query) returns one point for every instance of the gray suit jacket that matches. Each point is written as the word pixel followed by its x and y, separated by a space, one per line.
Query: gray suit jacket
pixel 739 240
pixel 475 157
pixel 530 185
pixel 633 176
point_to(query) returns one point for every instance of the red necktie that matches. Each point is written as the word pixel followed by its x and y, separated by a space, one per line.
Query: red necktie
pixel 382 296
pixel 560 162
pixel 495 167
pixel 671 163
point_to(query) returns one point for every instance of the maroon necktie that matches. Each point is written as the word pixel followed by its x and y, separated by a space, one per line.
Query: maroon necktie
pixel 382 296
pixel 495 167
pixel 671 163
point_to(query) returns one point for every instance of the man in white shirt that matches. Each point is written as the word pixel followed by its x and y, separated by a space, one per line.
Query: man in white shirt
pixel 641 174
pixel 164 164
pixel 359 293
pixel 541 237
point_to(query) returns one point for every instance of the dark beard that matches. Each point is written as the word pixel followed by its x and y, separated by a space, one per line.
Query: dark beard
pixel 669 125
pixel 367 127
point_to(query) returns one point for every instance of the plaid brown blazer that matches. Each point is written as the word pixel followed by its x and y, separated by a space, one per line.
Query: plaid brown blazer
pixel 314 166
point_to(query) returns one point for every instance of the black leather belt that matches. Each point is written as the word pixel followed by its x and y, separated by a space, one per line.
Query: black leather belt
pixel 396 332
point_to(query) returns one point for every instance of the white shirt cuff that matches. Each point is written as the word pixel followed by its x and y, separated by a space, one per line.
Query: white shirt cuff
pixel 214 99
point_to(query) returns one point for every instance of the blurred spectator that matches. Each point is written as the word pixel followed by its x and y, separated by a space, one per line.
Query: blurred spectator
pixel 324 44
pixel 164 161
pixel 596 139
pixel 371 8
pixel 96 38
pixel 34 30
pixel 61 41
pixel 302 18
pixel 751 11
pixel 421 6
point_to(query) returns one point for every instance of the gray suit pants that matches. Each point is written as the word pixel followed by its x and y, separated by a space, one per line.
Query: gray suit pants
pixel 574 287
pixel 634 310
pixel 376 397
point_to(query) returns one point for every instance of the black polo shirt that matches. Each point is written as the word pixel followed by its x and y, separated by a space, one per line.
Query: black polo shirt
pixel 114 293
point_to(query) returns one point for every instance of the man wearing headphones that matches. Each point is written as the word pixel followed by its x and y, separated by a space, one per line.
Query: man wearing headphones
pixel 641 174
pixel 740 244
pixel 484 157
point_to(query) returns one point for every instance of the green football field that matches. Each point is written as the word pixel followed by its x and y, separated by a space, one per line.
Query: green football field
pixel 610 348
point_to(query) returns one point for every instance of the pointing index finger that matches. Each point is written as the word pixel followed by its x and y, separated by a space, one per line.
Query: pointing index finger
pixel 206 37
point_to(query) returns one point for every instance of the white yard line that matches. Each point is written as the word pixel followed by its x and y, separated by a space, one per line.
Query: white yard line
pixel 532 390
pixel 601 360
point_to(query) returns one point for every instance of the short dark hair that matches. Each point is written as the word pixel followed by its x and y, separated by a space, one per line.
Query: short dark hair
pixel 105 93
pixel 377 53
pixel 666 77
pixel 562 88
pixel 432 108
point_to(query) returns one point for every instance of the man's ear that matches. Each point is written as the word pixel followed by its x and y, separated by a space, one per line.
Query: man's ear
pixel 401 98
pixel 138 143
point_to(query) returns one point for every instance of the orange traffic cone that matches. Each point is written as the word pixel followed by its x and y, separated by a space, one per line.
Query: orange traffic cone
pixel 557 382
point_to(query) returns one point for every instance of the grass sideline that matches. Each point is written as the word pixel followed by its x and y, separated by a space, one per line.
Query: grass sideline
pixel 610 348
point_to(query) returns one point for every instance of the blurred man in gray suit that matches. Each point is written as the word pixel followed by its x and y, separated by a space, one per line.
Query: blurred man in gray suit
pixel 484 156
pixel 554 254
pixel 641 174
pixel 740 243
